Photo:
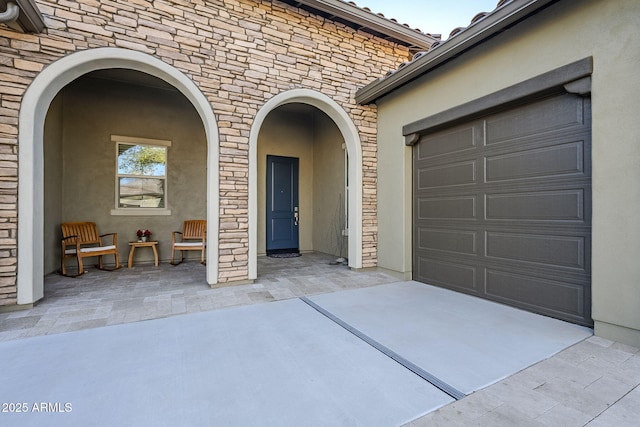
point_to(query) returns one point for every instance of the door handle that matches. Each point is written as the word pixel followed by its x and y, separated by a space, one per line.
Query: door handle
pixel 296 215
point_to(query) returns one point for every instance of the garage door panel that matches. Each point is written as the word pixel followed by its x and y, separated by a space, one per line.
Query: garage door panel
pixel 556 205
pixel 559 160
pixel 544 250
pixel 449 241
pixel 509 219
pixel 448 175
pixel 553 114
pixel 447 274
pixel 463 207
pixel 552 297
pixel 453 141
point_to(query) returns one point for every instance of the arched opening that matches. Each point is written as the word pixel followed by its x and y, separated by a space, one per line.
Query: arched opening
pixel 317 130
pixel 35 107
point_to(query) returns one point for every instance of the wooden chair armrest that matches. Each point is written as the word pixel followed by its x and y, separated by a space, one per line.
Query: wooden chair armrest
pixel 64 244
pixel 114 237
pixel 77 244
pixel 173 236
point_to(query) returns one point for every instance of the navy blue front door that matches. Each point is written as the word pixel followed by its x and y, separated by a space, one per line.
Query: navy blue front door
pixel 282 204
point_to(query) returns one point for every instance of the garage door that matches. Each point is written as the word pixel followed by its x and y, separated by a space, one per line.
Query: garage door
pixel 502 207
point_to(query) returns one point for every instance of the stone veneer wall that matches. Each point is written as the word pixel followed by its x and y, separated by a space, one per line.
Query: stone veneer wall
pixel 239 52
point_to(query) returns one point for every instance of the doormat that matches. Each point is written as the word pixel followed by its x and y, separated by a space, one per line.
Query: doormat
pixel 286 255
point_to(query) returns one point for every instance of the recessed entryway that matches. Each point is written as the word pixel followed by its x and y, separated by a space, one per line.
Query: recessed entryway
pixel 310 126
pixel 303 190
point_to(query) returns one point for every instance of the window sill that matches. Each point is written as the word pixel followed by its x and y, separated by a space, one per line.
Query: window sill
pixel 141 212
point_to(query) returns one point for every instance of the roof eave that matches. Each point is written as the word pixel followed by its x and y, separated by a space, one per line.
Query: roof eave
pixel 30 19
pixel 497 21
pixel 351 13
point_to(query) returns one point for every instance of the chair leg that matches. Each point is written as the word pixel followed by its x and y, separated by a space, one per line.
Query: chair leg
pixel 80 266
pixel 115 267
pixel 173 252
pixel 63 269
pixel 202 261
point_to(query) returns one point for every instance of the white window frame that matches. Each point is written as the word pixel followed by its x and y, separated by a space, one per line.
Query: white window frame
pixel 120 139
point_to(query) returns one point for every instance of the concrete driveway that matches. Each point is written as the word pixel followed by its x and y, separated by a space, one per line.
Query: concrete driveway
pixel 282 363
pixel 332 347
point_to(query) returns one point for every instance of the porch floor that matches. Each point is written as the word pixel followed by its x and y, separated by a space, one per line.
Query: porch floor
pixel 100 298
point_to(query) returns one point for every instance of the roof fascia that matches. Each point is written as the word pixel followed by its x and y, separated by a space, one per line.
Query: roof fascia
pixel 499 20
pixel 570 78
pixel 30 18
pixel 351 13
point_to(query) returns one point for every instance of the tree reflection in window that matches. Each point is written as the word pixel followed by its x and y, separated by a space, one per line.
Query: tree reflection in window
pixel 141 176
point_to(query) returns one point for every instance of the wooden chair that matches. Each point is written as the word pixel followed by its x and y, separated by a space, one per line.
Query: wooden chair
pixel 81 240
pixel 193 237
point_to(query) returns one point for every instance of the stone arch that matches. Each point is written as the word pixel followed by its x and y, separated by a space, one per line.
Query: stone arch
pixel 354 151
pixel 33 111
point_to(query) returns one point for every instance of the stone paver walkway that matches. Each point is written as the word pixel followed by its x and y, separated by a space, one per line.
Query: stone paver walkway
pixel 594 383
pixel 101 298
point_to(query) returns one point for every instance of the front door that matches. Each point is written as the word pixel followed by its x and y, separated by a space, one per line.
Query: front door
pixel 282 204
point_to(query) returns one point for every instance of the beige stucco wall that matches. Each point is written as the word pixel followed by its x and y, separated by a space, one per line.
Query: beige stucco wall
pixel 328 188
pixel 315 140
pixel 53 134
pixel 91 111
pixel 559 35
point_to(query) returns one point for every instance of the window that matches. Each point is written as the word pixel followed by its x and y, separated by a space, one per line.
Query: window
pixel 141 176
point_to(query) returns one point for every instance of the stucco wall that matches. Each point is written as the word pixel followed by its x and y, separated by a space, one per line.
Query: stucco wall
pixel 328 188
pixel 239 53
pixel 53 134
pixel 561 34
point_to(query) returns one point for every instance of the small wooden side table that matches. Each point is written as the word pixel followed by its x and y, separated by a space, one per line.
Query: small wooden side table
pixel 135 245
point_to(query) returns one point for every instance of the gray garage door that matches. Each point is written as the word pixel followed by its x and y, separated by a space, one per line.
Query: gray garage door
pixel 502 207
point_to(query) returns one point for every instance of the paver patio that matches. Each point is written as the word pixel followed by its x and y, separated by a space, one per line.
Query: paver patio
pixel 144 292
